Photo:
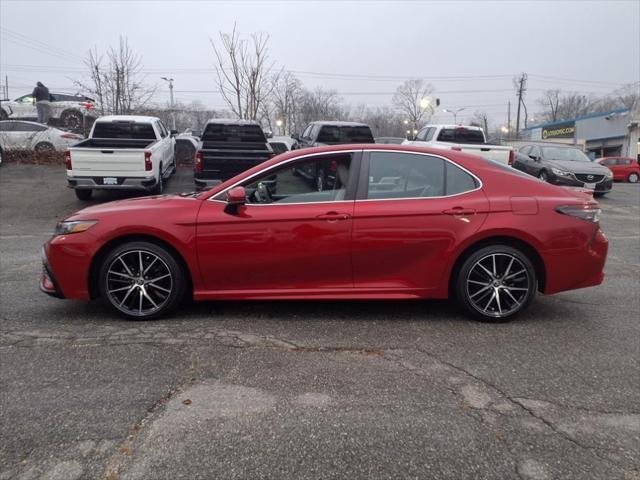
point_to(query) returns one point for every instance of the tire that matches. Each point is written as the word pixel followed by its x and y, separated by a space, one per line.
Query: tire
pixel 71 119
pixel 3 115
pixel 633 177
pixel 543 175
pixel 175 164
pixel 83 193
pixel 130 292
pixel 44 147
pixel 478 282
pixel 159 187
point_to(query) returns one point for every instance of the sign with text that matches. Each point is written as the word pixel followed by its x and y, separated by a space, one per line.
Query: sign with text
pixel 561 130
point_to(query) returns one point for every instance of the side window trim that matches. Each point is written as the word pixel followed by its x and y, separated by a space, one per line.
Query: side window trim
pixel 363 178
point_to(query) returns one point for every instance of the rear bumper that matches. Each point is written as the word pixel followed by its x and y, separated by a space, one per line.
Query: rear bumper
pixel 580 267
pixel 124 183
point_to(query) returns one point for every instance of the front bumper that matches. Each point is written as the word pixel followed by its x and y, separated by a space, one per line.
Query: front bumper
pixel 123 183
pixel 48 283
pixel 603 186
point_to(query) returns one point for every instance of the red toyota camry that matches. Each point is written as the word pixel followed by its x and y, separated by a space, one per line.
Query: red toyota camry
pixel 342 222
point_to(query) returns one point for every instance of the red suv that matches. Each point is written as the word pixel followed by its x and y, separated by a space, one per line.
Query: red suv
pixel 625 169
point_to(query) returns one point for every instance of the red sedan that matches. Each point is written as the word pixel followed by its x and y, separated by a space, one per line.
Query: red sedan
pixel 625 169
pixel 388 222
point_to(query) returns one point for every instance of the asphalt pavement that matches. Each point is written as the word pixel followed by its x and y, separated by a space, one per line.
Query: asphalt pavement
pixel 312 390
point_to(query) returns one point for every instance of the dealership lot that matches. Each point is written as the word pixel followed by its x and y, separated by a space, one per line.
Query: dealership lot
pixel 312 389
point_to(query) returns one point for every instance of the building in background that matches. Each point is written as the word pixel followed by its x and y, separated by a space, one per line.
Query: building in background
pixel 612 133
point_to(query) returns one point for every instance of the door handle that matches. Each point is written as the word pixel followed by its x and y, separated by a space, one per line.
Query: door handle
pixel 459 211
pixel 333 216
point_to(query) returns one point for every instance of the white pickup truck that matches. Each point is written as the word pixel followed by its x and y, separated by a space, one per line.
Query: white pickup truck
pixel 468 139
pixel 123 152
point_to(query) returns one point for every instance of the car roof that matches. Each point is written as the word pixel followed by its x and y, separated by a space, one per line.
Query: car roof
pixel 446 125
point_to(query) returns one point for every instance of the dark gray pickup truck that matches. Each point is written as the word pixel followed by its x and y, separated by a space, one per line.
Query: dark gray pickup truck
pixel 227 148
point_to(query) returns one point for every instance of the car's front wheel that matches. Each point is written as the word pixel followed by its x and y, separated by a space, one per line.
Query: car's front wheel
pixel 495 283
pixel 141 280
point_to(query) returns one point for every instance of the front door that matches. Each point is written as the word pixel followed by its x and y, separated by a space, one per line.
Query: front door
pixel 412 211
pixel 289 235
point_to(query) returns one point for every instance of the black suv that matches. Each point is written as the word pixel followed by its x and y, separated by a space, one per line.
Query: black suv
pixel 227 148
pixel 334 133
pixel 562 165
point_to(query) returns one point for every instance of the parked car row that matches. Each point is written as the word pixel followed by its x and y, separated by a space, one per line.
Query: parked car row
pixel 23 135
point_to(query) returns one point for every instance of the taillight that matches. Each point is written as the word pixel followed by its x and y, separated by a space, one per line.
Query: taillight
pixel 197 166
pixel 457 149
pixel 512 156
pixel 67 159
pixel 148 165
pixel 589 213
pixel 70 135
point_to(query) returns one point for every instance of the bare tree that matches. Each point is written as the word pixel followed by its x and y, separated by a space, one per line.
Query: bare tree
pixel 413 99
pixel 243 71
pixel 286 98
pixel 117 81
pixel 481 119
pixel 565 106
pixel 384 122
pixel 550 101
pixel 320 104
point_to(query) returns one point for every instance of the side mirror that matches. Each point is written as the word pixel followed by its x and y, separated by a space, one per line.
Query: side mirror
pixel 235 197
pixel 295 136
pixel 534 158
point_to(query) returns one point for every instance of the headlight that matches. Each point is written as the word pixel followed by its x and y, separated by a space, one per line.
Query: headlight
pixel 66 228
pixel 561 173
pixel 608 174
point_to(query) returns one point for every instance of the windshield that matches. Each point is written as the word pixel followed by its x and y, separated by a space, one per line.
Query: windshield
pixel 564 154
pixel 461 135
pixel 337 135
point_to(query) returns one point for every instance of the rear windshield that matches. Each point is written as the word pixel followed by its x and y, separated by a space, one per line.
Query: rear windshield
pixel 461 135
pixel 132 130
pixel 278 147
pixel 333 134
pixel 216 132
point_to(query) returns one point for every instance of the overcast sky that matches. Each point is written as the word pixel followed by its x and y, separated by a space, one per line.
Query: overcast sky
pixel 468 50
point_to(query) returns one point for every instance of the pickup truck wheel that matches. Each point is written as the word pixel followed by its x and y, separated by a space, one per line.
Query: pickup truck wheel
pixel 157 190
pixel 83 193
pixel 141 280
pixel 44 147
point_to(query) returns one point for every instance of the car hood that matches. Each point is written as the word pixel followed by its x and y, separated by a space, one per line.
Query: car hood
pixel 578 167
pixel 135 204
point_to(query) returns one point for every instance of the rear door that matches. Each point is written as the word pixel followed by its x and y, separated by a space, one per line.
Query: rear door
pixel 411 212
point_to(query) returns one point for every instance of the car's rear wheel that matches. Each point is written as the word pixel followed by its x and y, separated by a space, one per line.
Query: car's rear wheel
pixel 44 147
pixel 142 280
pixel 159 187
pixel 495 283
pixel 83 193
pixel 633 178
pixel 71 119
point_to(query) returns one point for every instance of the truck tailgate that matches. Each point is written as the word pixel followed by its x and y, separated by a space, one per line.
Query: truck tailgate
pixel 224 162
pixel 96 162
pixel 496 153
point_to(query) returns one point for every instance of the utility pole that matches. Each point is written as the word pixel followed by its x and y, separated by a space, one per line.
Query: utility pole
pixel 508 119
pixel 521 83
pixel 173 113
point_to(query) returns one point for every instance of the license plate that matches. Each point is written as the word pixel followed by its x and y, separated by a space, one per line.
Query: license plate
pixel 109 181
pixel 590 186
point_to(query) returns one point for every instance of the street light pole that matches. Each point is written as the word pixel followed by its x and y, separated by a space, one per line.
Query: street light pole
pixel 173 113
pixel 454 113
